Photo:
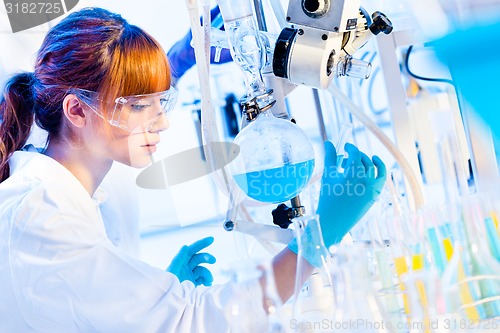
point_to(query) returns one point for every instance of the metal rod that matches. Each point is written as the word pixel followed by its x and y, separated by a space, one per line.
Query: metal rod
pixel 259 14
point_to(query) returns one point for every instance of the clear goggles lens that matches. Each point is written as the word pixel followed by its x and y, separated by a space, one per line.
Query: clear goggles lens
pixel 131 113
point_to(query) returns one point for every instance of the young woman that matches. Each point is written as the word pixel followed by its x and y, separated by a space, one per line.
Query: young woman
pixel 101 89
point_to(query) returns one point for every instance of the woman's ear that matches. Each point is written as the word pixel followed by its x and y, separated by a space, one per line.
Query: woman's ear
pixel 73 111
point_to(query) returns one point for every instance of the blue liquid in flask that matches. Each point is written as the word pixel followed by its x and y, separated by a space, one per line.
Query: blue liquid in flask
pixel 276 185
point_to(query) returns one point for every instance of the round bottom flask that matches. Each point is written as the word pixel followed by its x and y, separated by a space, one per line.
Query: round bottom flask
pixel 275 160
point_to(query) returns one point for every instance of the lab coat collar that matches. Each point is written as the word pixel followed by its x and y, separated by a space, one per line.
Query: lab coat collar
pixel 45 169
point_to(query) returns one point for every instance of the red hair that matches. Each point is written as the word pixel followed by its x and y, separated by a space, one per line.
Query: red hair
pixel 91 49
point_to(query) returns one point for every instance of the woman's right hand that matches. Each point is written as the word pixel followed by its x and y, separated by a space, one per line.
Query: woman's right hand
pixel 347 195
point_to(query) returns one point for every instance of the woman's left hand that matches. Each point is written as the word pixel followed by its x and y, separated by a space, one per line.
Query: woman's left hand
pixel 186 264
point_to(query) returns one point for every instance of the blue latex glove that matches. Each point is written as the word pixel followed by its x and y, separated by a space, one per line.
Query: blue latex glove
pixel 181 54
pixel 186 264
pixel 344 198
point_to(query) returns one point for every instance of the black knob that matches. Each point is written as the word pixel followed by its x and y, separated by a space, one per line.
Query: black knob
pixel 282 50
pixel 281 216
pixel 381 23
pixel 228 225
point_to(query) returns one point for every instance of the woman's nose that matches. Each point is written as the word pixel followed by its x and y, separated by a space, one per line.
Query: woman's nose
pixel 160 124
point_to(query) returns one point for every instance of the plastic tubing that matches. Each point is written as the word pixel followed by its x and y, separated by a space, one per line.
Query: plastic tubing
pixel 279 13
pixel 415 188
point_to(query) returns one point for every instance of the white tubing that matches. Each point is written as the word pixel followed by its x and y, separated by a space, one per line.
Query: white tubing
pixel 201 38
pixel 415 188
pixel 279 13
pixel 210 134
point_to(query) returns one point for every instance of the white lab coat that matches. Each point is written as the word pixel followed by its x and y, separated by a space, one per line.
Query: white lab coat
pixel 59 272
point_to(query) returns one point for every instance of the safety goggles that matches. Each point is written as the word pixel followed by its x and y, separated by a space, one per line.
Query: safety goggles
pixel 138 113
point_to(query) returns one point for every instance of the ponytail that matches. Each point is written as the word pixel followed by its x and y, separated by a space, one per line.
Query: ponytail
pixel 16 118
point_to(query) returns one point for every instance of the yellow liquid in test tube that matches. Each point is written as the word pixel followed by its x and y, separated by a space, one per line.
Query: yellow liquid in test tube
pixel 448 249
pixel 495 220
pixel 464 290
pixel 402 268
pixel 418 264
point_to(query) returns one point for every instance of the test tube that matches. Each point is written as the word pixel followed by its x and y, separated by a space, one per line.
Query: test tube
pixel 217 23
pixel 345 132
pixel 493 238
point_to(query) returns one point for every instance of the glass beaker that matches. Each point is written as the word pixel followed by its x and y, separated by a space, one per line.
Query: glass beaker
pixel 359 309
pixel 313 302
pixel 240 313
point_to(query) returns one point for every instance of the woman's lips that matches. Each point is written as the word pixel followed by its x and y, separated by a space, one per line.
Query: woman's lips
pixel 150 147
